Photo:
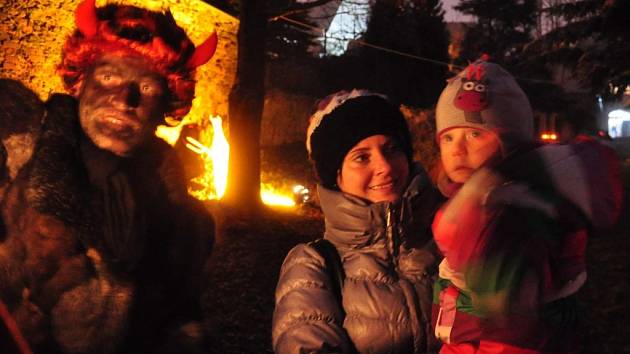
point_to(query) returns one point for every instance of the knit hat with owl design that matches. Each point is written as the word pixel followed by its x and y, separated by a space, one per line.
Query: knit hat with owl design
pixel 486 96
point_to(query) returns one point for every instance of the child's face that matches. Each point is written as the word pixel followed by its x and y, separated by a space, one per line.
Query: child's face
pixel 376 169
pixel 464 150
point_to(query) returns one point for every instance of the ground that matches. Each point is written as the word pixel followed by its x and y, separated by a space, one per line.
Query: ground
pixel 245 264
pixel 244 272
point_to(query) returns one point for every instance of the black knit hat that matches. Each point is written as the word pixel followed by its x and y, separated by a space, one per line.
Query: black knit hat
pixel 342 121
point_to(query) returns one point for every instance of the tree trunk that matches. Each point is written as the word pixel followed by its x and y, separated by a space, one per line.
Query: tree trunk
pixel 246 103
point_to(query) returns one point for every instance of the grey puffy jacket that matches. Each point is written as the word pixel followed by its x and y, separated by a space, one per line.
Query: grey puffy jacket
pixel 389 258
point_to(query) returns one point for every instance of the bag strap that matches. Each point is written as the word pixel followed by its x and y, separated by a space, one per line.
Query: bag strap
pixel 334 267
pixel 334 270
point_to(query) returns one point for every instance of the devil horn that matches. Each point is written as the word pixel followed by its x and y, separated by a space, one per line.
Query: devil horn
pixel 203 52
pixel 85 18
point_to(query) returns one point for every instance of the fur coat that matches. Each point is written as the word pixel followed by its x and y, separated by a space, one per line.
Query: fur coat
pixel 98 254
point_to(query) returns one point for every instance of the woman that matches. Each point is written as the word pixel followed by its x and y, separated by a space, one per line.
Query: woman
pixel 378 206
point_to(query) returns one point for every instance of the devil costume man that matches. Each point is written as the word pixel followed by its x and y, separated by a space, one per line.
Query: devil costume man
pixel 101 248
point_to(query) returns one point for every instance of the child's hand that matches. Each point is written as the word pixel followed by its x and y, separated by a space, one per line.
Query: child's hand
pixel 473 194
pixel 464 218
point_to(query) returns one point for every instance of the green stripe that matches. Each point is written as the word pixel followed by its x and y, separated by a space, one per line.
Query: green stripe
pixel 463 303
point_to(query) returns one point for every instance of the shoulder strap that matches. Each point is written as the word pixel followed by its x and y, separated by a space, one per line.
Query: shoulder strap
pixel 333 264
pixel 334 269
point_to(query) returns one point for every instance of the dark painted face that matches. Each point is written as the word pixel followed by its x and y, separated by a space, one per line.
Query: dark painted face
pixel 121 102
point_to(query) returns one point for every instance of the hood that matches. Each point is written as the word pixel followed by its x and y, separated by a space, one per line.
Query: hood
pixel 586 173
pixel 353 222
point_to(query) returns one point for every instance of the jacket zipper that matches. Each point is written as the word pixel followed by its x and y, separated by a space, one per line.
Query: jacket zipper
pixel 394 241
pixel 391 235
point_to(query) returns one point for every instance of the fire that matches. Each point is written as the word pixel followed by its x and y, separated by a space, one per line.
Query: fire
pixel 216 157
pixel 271 197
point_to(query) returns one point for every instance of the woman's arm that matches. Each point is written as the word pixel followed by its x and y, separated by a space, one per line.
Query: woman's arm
pixel 307 317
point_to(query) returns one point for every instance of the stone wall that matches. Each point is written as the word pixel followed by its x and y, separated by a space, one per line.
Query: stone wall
pixel 285 118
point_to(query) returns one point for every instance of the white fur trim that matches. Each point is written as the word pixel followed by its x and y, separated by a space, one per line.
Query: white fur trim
pixel 333 101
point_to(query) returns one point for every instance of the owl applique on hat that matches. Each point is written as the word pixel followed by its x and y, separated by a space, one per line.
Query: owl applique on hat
pixel 472 96
pixel 486 96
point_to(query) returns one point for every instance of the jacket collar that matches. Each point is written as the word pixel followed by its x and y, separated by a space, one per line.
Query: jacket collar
pixel 354 222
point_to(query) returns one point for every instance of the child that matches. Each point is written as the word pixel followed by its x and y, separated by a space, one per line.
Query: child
pixel 514 232
pixel 378 206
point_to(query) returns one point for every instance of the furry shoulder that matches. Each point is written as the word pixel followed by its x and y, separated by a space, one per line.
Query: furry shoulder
pixel 21 116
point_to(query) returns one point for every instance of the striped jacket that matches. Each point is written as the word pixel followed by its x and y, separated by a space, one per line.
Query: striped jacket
pixel 514 240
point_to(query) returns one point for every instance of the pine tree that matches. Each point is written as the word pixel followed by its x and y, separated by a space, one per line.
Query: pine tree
pixel 501 27
pixel 414 27
pixel 290 40
pixel 591 40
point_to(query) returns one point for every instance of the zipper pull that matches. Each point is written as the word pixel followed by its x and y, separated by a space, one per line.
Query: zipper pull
pixel 392 234
pixel 389 229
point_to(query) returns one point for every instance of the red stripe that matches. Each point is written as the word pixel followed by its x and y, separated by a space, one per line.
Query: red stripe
pixel 14 331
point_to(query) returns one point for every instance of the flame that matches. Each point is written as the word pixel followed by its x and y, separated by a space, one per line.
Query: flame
pixel 173 128
pixel 168 134
pixel 270 196
pixel 219 154
pixel 216 157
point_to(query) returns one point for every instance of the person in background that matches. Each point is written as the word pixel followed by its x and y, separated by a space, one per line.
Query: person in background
pixel 514 231
pixel 377 206
pixel 101 248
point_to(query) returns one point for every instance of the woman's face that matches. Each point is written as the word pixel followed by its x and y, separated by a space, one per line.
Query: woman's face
pixel 375 169
pixel 464 150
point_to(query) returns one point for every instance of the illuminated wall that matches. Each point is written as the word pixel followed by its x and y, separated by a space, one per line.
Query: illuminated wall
pixel 32 34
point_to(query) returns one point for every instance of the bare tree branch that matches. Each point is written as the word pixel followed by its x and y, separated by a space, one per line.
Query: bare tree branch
pixel 299 7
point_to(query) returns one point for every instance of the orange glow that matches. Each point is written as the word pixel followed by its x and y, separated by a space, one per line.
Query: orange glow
pixel 215 158
pixel 170 133
pixel 32 34
pixel 550 137
pixel 270 196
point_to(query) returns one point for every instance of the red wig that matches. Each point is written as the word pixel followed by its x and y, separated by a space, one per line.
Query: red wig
pixel 128 30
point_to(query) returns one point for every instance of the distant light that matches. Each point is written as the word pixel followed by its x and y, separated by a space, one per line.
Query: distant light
pixel 616 120
pixel 301 194
pixel 553 137
pixel 619 114
pixel 545 136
